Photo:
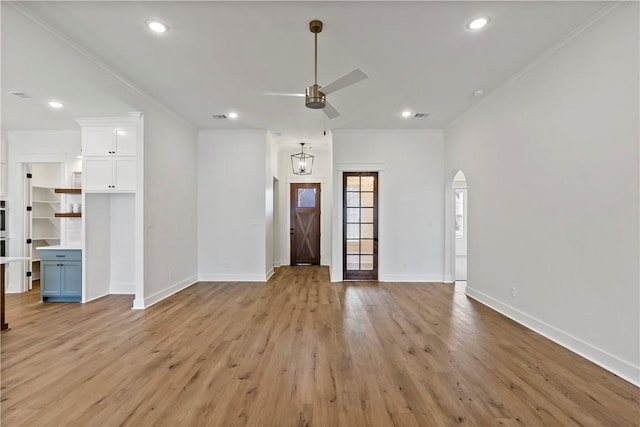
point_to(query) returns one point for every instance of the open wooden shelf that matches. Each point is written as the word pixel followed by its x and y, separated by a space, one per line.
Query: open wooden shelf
pixel 69 190
pixel 68 215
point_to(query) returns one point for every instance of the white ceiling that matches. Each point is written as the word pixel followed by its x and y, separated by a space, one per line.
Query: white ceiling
pixel 419 56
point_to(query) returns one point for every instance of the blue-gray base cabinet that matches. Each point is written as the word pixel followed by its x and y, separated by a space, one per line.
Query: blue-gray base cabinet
pixel 61 275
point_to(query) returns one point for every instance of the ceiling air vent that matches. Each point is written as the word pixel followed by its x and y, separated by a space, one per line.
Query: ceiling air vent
pixel 420 115
pixel 20 94
pixel 219 116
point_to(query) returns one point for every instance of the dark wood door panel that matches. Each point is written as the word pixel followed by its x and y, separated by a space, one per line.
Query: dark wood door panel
pixel 305 223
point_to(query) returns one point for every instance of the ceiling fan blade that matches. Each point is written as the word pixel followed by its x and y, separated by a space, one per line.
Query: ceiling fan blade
pixel 347 80
pixel 256 92
pixel 329 111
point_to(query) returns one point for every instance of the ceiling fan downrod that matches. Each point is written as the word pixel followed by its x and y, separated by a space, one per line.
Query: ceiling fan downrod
pixel 313 97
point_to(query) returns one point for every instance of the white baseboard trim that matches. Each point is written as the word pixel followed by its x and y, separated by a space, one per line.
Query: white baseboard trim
pixel 94 298
pixel 448 279
pixel 122 288
pixel 611 363
pixel 159 296
pixel 269 273
pixel 409 278
pixel 13 289
pixel 240 277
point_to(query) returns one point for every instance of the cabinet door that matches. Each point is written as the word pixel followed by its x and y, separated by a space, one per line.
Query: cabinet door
pixel 50 278
pixel 125 142
pixel 3 180
pixel 97 141
pixel 124 173
pixel 97 173
pixel 71 279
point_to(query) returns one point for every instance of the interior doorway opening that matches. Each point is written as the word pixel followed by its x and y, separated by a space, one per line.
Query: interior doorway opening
pixel 41 226
pixel 305 224
pixel 460 208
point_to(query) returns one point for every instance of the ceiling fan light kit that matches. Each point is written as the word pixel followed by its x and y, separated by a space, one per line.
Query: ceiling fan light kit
pixel 314 98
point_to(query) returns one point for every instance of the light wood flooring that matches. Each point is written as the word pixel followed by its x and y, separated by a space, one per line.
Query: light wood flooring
pixel 296 351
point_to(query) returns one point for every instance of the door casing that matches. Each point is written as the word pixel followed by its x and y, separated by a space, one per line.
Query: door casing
pixel 310 231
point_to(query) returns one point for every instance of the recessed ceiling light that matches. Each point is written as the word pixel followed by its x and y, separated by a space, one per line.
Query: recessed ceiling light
pixel 55 104
pixel 233 115
pixel 157 26
pixel 406 114
pixel 478 23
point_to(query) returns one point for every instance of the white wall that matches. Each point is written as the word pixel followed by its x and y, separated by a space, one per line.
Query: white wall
pixel 170 203
pixel 231 205
pixel 271 168
pixel 96 253
pixel 122 256
pixel 321 173
pixel 52 146
pixel 410 199
pixel 551 161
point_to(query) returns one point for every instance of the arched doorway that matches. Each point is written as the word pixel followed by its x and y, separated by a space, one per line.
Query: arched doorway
pixel 460 205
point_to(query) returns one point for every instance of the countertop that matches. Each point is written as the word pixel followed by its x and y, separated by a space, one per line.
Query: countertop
pixel 60 248
pixel 8 259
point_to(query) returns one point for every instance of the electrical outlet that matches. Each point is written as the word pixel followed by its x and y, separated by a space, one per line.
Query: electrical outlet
pixel 513 292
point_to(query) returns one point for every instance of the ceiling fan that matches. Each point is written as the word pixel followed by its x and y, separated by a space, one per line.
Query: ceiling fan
pixel 315 95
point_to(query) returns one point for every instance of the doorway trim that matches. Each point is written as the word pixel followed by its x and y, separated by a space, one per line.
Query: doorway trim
pixel 336 239
pixel 16 218
pixel 359 237
pixel 449 225
pixel 283 257
pixel 314 227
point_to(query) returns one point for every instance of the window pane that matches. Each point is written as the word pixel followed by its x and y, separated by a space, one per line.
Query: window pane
pixel 367 231
pixel 367 200
pixel 306 197
pixel 367 183
pixel 367 214
pixel 353 262
pixel 353 183
pixel 353 231
pixel 353 199
pixel 366 262
pixel 459 218
pixel 366 246
pixel 353 246
pixel 353 215
pixel 459 227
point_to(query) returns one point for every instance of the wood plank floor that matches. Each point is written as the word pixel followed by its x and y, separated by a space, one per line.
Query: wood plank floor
pixel 297 351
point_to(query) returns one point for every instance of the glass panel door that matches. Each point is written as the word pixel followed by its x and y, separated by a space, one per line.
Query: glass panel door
pixel 360 227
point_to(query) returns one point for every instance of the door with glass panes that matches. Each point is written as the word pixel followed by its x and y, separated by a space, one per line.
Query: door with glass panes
pixel 305 224
pixel 360 227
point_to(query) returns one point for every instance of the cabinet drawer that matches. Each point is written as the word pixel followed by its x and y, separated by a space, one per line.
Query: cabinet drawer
pixel 58 255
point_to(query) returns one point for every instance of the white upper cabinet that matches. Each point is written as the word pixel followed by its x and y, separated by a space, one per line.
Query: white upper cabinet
pixel 109 162
pixel 108 141
pixel 97 174
pixel 124 143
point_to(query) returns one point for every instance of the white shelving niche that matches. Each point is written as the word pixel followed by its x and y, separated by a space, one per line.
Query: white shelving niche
pixel 45 229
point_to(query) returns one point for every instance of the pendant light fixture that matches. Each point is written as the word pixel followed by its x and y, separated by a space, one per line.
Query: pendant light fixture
pixel 302 163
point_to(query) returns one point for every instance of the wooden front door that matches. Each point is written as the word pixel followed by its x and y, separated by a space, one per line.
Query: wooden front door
pixel 360 226
pixel 305 224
